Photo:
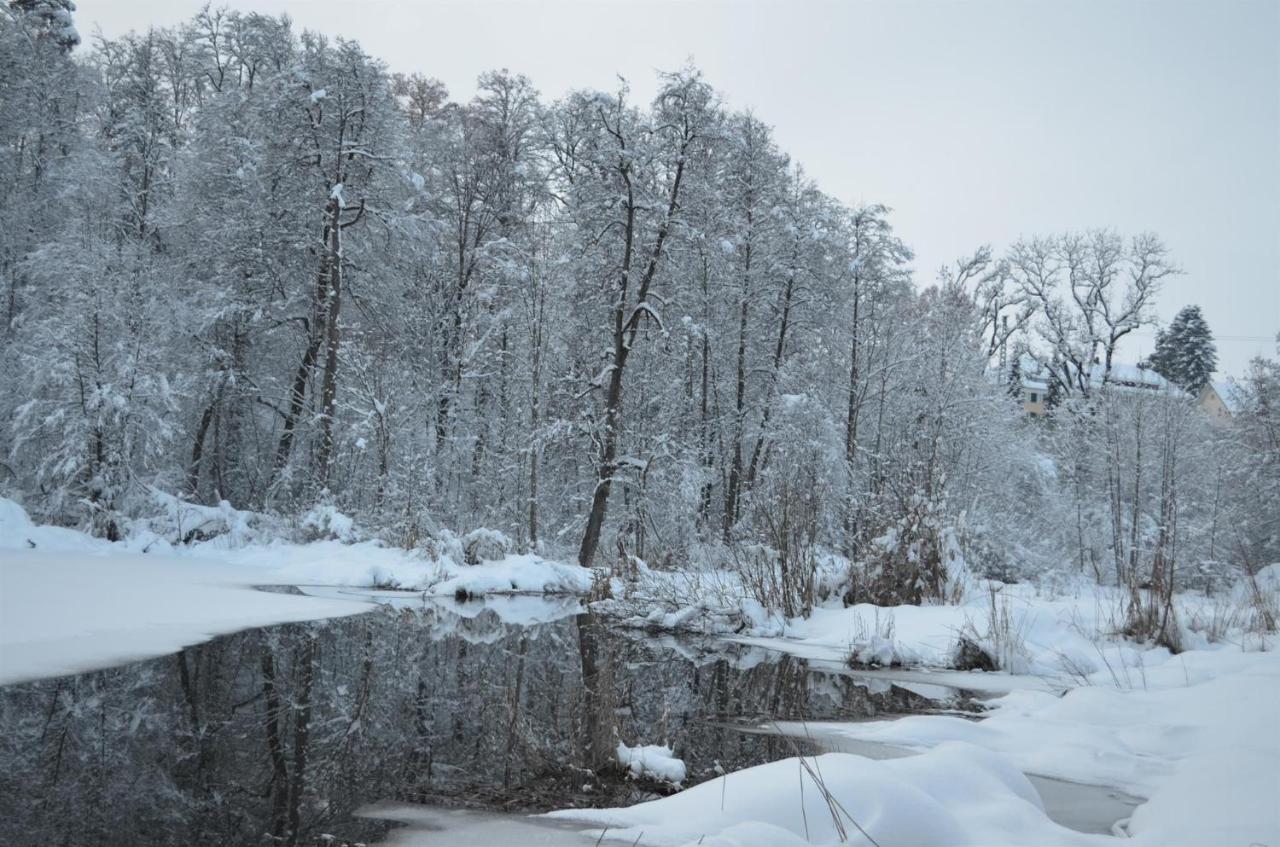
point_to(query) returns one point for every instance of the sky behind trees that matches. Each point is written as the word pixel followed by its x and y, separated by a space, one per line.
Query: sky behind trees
pixel 976 122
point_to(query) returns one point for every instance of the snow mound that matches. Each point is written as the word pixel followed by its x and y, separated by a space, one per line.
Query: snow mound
pixel 14 522
pixel 1197 736
pixel 17 532
pixel 652 760
pixel 952 796
pixel 516 574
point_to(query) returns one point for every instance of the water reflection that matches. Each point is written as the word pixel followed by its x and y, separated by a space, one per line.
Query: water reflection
pixel 278 735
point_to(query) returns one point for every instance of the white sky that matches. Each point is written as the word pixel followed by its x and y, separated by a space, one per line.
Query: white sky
pixel 977 121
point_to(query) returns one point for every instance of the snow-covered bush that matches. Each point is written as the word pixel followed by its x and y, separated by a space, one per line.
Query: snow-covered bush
pixel 180 521
pixel 486 545
pixel 916 561
pixel 653 761
pixel 444 546
pixel 324 521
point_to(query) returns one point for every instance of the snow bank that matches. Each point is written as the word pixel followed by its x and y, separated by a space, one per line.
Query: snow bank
pixel 328 562
pixel 654 761
pixel 369 563
pixel 70 602
pixel 1200 738
pixel 1049 636
pixel 953 796
pixel 336 558
pixel 17 532
pixel 522 573
pixel 63 613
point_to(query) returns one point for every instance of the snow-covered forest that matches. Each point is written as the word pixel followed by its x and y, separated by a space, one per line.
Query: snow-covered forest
pixel 260 289
pixel 247 264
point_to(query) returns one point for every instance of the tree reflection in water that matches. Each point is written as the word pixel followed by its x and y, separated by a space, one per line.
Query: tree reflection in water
pixel 278 735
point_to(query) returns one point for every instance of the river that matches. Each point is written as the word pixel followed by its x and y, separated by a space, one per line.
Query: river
pixel 422 721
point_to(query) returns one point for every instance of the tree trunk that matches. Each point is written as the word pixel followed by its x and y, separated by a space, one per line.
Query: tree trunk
pixel 279 788
pixel 535 421
pixel 315 333
pixel 301 740
pixel 755 465
pixel 197 449
pixel 851 430
pixel 329 385
pixel 608 455
pixel 739 402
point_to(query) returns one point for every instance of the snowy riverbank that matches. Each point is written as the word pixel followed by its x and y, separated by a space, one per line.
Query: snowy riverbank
pixel 70 602
pixel 1200 743
pixel 1193 734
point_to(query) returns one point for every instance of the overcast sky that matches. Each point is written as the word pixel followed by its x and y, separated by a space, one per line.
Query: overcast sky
pixel 976 121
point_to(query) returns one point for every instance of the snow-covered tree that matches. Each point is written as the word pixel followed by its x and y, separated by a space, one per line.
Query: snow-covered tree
pixel 248 264
pixel 51 19
pixel 1185 353
pixel 1088 291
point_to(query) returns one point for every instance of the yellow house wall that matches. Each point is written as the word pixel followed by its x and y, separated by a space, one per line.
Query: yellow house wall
pixel 1212 404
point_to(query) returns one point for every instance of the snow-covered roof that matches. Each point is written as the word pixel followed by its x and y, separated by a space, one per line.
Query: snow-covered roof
pixel 1133 376
pixel 1035 376
pixel 1228 393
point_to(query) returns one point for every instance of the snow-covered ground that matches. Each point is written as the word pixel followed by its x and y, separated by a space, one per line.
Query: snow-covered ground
pixel 1195 735
pixel 1201 743
pixel 66 612
pixel 70 602
pixel 1050 635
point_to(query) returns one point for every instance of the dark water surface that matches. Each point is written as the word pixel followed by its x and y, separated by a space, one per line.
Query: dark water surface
pixel 277 735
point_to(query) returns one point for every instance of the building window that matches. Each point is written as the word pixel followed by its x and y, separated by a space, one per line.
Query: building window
pixel 1034 397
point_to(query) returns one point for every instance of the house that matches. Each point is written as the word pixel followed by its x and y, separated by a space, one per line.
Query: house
pixel 1035 379
pixel 1035 390
pixel 1217 400
pixel 1133 377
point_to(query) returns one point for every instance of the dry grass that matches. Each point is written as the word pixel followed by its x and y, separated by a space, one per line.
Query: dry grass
pixel 1001 635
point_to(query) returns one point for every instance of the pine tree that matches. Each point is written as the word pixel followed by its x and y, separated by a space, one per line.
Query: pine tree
pixel 52 18
pixel 1185 353
pixel 1053 397
pixel 1014 382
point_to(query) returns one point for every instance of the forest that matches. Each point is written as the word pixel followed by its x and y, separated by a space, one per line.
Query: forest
pixel 251 268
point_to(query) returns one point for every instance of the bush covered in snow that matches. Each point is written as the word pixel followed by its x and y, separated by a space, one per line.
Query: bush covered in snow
pixel 324 521
pixel 652 761
pixel 486 545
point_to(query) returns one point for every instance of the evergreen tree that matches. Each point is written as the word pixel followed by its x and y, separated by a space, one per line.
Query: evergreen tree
pixel 52 18
pixel 1053 397
pixel 1185 353
pixel 1014 382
